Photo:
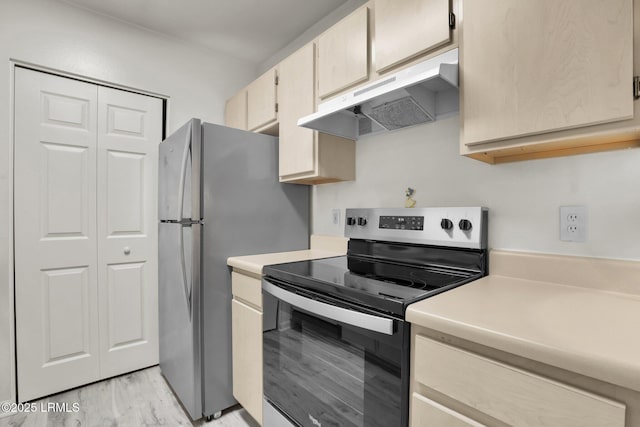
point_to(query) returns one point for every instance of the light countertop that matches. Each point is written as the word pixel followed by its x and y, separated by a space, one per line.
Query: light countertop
pixel 590 331
pixel 322 246
pixel 255 263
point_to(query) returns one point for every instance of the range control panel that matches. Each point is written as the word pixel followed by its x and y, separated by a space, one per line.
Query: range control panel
pixel 464 227
pixel 401 222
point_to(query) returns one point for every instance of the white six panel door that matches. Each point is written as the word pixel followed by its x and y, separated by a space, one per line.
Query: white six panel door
pixel 85 232
pixel 129 130
pixel 55 233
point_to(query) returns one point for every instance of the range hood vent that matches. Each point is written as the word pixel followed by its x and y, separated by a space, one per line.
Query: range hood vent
pixel 419 94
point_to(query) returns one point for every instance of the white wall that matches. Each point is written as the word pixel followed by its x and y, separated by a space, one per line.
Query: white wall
pixel 311 33
pixel 52 34
pixel 523 197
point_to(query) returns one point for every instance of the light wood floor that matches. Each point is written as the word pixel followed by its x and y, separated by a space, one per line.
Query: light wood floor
pixel 142 398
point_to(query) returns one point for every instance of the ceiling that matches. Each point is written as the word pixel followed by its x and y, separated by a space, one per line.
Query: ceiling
pixel 253 30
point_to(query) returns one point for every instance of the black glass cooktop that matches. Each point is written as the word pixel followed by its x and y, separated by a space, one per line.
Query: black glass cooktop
pixel 382 285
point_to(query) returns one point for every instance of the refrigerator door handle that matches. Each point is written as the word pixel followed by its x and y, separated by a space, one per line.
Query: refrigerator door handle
pixel 183 173
pixel 187 290
pixel 195 293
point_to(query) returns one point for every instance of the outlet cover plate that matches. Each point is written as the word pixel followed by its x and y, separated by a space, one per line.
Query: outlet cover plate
pixel 335 216
pixel 573 223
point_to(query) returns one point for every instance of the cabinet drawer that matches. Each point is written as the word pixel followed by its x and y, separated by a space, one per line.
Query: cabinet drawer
pixel 508 394
pixel 246 288
pixel 426 413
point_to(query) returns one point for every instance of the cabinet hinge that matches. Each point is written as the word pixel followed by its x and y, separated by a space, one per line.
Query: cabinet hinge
pixel 276 107
pixel 452 20
pixel 277 80
pixel 636 87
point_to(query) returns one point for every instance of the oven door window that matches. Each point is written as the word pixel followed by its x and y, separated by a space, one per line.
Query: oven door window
pixel 323 372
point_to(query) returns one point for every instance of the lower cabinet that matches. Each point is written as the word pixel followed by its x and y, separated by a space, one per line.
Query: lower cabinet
pixel 427 413
pixel 246 329
pixel 453 387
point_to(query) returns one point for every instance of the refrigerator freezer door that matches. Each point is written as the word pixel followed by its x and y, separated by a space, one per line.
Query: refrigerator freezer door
pixel 179 174
pixel 246 211
pixel 179 309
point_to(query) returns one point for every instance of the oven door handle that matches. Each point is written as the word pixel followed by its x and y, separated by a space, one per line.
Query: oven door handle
pixel 343 315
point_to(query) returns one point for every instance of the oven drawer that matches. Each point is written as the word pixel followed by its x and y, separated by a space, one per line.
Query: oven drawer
pixel 427 413
pixel 508 394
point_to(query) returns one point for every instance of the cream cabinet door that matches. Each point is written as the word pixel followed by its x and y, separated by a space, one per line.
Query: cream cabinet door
pixel 407 28
pixel 530 67
pixel 510 395
pixel 297 151
pixel 343 54
pixel 306 156
pixel 129 131
pixel 55 233
pixel 261 101
pixel 235 111
pixel 246 325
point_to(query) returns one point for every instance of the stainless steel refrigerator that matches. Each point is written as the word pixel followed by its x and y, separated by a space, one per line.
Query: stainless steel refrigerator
pixel 219 196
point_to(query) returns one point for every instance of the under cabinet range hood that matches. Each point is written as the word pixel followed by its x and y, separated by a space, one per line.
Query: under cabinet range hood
pixel 418 94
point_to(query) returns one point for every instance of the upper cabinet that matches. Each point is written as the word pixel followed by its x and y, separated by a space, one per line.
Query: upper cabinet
pixel 380 37
pixel 306 156
pixel 336 61
pixel 537 76
pixel 262 106
pixel 235 111
pixel 408 28
pixel 343 54
pixel 296 148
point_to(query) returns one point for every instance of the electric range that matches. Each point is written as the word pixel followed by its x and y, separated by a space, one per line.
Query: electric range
pixel 336 344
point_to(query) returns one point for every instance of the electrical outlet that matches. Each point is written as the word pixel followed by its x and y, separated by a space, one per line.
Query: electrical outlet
pixel 573 223
pixel 335 216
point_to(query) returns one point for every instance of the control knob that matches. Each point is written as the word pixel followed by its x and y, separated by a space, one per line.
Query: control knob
pixel 446 224
pixel 465 225
pixel 351 221
pixel 362 221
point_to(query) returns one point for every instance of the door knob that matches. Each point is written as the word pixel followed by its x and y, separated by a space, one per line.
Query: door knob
pixel 127 251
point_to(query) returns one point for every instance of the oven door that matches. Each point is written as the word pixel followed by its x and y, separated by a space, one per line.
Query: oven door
pixel 328 363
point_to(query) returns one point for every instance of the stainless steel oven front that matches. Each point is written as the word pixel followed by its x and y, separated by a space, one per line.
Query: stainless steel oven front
pixel 331 363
